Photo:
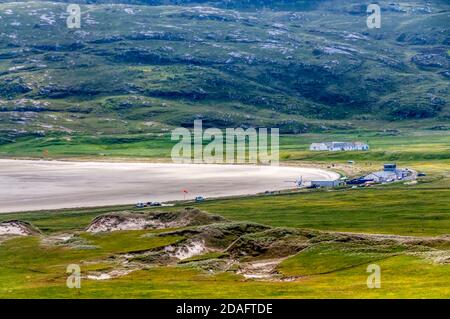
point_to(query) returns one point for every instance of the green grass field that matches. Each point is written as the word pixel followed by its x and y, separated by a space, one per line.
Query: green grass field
pixel 409 146
pixel 32 267
pixel 115 89
pixel 403 211
pixel 32 271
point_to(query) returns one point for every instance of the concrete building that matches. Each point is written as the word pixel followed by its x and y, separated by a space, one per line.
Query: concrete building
pixel 339 146
pixel 334 183
pixel 390 167
pixel 389 173
pixel 382 177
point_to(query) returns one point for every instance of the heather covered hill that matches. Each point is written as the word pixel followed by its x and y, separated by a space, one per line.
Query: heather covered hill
pixel 301 66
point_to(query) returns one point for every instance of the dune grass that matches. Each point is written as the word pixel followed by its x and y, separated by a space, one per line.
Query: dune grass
pixel 29 263
pixel 38 277
pixel 331 257
pixel 406 211
pixel 334 270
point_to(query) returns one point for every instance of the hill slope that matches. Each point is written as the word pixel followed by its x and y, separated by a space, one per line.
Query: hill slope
pixel 139 68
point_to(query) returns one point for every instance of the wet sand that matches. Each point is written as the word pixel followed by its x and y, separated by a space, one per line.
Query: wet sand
pixel 27 185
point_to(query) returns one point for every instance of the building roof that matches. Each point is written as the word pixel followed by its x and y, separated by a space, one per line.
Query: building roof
pixel 382 175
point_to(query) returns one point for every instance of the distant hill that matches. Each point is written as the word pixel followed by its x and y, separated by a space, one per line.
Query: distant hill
pixel 229 4
pixel 298 65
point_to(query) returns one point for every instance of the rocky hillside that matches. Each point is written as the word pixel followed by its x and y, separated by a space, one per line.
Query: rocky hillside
pixel 298 65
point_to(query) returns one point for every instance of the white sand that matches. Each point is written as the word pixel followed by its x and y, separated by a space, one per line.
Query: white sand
pixel 27 185
pixel 13 228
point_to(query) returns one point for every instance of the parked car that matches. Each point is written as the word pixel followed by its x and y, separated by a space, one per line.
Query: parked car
pixel 199 199
pixel 141 205
pixel 155 204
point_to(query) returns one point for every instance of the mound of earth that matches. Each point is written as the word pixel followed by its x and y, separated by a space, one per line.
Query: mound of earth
pixel 187 250
pixel 206 239
pixel 271 243
pixel 199 240
pixel 236 240
pixel 151 220
pixel 18 228
pixel 252 250
pixel 220 235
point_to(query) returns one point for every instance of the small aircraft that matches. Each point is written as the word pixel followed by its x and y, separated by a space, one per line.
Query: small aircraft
pixel 298 182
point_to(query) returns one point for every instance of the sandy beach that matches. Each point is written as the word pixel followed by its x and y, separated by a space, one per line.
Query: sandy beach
pixel 27 185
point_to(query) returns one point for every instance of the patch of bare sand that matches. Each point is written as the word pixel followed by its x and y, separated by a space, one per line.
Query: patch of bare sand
pixel 16 228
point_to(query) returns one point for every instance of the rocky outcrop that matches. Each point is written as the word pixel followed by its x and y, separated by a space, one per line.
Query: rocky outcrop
pixel 431 60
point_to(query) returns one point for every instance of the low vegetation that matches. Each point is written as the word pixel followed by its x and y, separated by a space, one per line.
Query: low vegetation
pixel 305 66
pixel 295 263
pixel 114 90
pixel 309 243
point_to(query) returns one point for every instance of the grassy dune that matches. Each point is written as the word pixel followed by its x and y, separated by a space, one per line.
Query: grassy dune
pixel 42 275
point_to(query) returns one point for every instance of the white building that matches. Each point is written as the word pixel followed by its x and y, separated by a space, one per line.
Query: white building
pixel 339 146
pixel 382 176
pixel 390 173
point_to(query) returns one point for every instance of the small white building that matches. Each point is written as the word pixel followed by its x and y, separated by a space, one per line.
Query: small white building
pixel 339 146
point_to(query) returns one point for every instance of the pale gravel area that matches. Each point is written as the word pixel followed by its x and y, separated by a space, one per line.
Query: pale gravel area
pixel 27 185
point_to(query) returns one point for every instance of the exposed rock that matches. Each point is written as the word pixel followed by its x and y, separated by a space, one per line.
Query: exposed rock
pixel 393 63
pixel 431 60
pixel 445 74
pixel 10 87
pixel 417 39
